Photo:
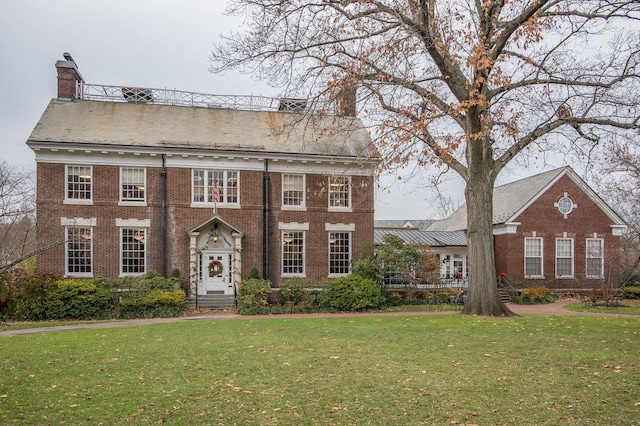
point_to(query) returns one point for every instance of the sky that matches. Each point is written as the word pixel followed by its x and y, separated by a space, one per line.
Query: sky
pixel 148 43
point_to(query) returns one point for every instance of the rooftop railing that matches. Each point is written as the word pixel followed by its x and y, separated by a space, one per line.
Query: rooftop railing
pixel 141 95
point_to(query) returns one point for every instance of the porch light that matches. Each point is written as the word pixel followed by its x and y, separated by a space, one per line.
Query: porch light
pixel 216 233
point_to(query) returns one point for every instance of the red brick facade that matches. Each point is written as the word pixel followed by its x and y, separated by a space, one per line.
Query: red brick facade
pixel 542 219
pixel 167 248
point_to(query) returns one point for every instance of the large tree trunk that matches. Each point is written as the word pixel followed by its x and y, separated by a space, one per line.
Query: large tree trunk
pixel 483 297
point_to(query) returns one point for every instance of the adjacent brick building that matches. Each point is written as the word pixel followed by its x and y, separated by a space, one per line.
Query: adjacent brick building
pixel 131 180
pixel 551 230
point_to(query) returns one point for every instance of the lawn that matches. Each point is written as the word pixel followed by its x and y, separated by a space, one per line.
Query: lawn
pixel 381 370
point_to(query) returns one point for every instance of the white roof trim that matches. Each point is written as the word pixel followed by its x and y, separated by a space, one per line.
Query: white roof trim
pixel 506 228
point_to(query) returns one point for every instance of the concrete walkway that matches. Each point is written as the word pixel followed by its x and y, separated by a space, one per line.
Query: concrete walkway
pixel 557 308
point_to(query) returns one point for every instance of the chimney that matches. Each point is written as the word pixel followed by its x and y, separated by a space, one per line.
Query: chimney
pixel 68 76
pixel 347 101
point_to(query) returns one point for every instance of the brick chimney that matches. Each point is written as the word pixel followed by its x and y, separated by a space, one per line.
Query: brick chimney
pixel 347 101
pixel 68 75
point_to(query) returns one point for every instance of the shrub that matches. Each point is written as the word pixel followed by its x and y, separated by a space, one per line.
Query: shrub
pixel 536 296
pixel 255 273
pixel 253 293
pixel 25 295
pixel 294 290
pixel 76 298
pixel 155 303
pixel 368 267
pixel 354 293
pixel 631 292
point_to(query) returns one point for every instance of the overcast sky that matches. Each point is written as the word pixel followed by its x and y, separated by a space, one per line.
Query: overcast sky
pixel 150 43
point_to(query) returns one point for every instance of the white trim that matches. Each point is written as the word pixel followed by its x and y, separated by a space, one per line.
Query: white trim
pixel 301 207
pixel 133 223
pixel 541 275
pixel 78 221
pixel 293 226
pixel 618 230
pixel 506 228
pixel 573 257
pixel 340 227
pixel 586 257
pixel 128 202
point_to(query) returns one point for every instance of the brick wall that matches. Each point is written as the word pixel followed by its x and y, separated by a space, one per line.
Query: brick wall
pixel 543 218
pixel 168 244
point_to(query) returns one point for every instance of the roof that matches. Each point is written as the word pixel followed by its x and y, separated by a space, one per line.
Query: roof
pixel 429 238
pixel 404 223
pixel 166 126
pixel 511 199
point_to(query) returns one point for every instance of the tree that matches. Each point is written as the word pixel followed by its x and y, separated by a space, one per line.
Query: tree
pixel 17 216
pixel 461 84
pixel 621 184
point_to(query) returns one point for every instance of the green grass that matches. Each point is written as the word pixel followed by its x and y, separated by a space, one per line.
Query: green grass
pixel 382 370
pixel 627 306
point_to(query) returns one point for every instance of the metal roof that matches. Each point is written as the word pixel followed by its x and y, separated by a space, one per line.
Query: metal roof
pixel 429 238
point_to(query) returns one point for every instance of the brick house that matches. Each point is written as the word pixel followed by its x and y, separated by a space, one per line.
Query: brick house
pixel 551 230
pixel 131 180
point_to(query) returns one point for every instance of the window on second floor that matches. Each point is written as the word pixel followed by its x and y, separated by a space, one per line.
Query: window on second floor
pixel 293 190
pixel 533 257
pixel 595 258
pixel 132 184
pixel 78 184
pixel 339 192
pixel 564 257
pixel 215 186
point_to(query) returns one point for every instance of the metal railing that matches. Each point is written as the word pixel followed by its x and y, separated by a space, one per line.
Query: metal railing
pixel 143 95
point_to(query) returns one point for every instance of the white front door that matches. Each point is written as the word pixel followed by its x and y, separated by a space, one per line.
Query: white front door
pixel 216 273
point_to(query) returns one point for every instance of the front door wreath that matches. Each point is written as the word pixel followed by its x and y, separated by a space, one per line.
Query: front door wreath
pixel 215 268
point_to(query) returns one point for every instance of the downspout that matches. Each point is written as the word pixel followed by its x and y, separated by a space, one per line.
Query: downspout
pixel 163 216
pixel 266 185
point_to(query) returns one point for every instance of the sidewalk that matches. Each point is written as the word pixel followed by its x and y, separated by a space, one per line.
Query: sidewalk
pixel 557 308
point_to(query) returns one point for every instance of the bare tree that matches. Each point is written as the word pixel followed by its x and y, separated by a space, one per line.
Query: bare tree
pixel 621 184
pixel 464 84
pixel 17 215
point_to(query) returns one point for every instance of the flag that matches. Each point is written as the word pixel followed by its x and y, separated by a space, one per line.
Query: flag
pixel 216 192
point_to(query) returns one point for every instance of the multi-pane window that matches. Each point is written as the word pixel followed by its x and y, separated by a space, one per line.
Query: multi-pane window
pixel 132 251
pixel 564 257
pixel 339 192
pixel 292 252
pixel 79 251
pixel 132 184
pixel 215 186
pixel 595 258
pixel 293 190
pixel 78 183
pixel 339 253
pixel 533 257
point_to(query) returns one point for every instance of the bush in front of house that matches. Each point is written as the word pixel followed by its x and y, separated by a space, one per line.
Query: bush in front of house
pixel 23 295
pixel 354 293
pixel 536 296
pixel 631 292
pixel 28 296
pixel 252 294
pixel 153 304
pixel 296 290
pixel 78 299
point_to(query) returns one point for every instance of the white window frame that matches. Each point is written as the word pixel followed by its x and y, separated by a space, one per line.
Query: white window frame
pixel 588 257
pixel 288 229
pixel 124 201
pixel 224 190
pixel 303 190
pixel 528 255
pixel 334 260
pixel 67 174
pixel 68 249
pixel 143 234
pixel 332 199
pixel 572 257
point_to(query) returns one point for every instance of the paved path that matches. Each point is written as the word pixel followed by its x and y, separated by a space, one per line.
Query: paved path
pixel 557 308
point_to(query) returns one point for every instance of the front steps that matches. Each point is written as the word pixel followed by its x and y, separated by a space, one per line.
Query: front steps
pixel 213 301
